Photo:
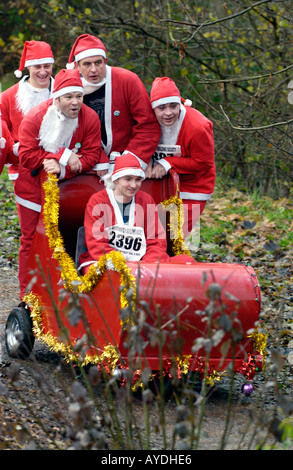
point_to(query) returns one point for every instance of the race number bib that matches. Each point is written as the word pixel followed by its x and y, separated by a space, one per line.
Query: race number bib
pixel 129 240
pixel 164 151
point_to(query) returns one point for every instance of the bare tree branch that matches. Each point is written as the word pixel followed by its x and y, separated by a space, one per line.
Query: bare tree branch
pixel 248 78
pixel 220 20
pixel 250 129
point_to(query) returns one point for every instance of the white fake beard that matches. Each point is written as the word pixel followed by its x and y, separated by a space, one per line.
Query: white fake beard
pixel 27 96
pixel 169 134
pixel 56 130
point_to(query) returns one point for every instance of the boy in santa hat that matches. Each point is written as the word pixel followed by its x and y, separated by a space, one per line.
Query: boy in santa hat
pixel 186 145
pixel 119 98
pixel 62 135
pixel 121 217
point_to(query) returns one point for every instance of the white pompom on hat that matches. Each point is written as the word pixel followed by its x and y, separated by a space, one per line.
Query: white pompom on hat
pixel 67 81
pixel 164 90
pixel 34 53
pixel 127 165
pixel 85 45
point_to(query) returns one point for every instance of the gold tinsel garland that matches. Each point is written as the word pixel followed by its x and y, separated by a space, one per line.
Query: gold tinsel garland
pixel 176 224
pixel 72 281
pixel 260 342
pixel 109 355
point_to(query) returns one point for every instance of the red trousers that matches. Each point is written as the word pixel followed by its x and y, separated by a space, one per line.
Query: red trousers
pixel 28 219
pixel 192 212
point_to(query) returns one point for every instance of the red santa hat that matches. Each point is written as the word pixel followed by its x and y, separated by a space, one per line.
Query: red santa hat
pixel 164 90
pixel 34 53
pixel 127 164
pixel 67 81
pixel 85 46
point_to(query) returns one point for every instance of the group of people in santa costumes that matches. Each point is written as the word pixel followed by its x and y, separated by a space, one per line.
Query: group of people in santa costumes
pixel 108 114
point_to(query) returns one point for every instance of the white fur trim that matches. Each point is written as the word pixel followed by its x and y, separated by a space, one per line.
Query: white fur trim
pixel 65 157
pixel 83 265
pixel 13 176
pixel 90 53
pixel 45 60
pixel 187 102
pixel 195 196
pixel 29 204
pixel 69 89
pixel 165 164
pixel 108 110
pixel 167 99
pixel 62 172
pixel 101 166
pixel 15 148
pixel 128 172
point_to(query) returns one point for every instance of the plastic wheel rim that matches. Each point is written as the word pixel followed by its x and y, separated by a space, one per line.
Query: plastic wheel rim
pixel 12 330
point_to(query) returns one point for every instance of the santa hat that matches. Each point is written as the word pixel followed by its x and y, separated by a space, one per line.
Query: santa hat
pixel 165 91
pixel 127 164
pixel 85 46
pixel 34 53
pixel 67 81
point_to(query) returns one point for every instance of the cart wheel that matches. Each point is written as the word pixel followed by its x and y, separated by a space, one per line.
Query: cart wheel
pixel 19 338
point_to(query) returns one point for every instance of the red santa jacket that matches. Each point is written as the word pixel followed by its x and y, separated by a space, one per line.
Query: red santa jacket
pixel 31 155
pixel 196 165
pixel 6 147
pixel 129 119
pixel 10 113
pixel 99 215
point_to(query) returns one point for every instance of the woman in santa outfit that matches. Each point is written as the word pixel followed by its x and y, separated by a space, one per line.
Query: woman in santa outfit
pixel 121 217
pixel 62 135
pixel 186 145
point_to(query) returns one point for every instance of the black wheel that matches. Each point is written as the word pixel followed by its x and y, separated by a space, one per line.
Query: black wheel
pixel 19 338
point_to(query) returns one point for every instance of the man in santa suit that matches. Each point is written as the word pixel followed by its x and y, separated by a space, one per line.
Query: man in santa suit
pixel 119 98
pixel 16 101
pixel 123 218
pixel 186 145
pixel 31 90
pixel 63 136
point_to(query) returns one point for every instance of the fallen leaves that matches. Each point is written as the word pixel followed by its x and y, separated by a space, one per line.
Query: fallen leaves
pixel 237 228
